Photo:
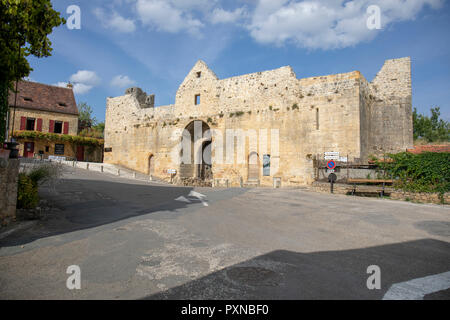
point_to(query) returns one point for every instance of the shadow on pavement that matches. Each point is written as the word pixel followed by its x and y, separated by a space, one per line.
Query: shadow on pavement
pixel 333 275
pixel 82 204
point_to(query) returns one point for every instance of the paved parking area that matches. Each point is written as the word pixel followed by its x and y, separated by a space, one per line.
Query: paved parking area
pixel 138 240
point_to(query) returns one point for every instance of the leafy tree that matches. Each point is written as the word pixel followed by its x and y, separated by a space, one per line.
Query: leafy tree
pixel 431 129
pixel 85 115
pixel 24 29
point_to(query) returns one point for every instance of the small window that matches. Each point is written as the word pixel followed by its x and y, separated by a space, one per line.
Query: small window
pixel 30 124
pixel 59 149
pixel 199 74
pixel 27 99
pixel 62 104
pixel 58 127
pixel 317 119
pixel 197 99
pixel 108 149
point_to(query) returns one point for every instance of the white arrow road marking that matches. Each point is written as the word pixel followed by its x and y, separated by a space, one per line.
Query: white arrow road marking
pixel 182 199
pixel 199 196
pixel 416 289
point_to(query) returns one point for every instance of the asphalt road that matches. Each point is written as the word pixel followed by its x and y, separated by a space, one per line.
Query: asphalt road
pixel 133 240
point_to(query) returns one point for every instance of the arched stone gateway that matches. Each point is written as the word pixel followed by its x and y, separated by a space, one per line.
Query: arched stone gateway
pixel 253 167
pixel 195 155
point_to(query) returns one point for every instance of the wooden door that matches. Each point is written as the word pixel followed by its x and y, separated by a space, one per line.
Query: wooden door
pixel 80 153
pixel 28 150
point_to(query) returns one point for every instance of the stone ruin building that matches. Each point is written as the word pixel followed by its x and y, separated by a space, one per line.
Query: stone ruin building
pixel 285 123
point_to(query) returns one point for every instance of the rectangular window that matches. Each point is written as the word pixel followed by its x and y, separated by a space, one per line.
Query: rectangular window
pixel 197 99
pixel 199 74
pixel 59 149
pixel 30 124
pixel 47 148
pixel 58 127
pixel 317 119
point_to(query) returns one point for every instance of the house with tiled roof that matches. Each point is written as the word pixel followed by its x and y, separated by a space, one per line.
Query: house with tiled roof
pixel 40 115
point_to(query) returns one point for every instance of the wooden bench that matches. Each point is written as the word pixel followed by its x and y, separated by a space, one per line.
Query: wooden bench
pixel 364 187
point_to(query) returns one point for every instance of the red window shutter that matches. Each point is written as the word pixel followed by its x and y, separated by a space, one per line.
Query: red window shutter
pixel 23 123
pixel 39 125
pixel 66 128
pixel 51 126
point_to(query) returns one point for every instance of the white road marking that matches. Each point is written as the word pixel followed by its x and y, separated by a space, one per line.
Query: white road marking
pixel 193 194
pixel 199 196
pixel 416 289
pixel 183 199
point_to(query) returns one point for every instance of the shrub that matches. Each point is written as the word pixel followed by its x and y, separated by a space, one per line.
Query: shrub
pixel 27 192
pixel 294 106
pixel 424 172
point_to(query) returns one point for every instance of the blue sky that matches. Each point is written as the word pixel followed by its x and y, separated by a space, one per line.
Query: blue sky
pixel 153 44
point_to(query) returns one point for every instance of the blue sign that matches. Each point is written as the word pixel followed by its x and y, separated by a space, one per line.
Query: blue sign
pixel 331 164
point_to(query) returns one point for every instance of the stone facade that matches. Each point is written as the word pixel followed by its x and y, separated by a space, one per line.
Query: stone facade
pixel 9 172
pixel 293 120
pixel 46 116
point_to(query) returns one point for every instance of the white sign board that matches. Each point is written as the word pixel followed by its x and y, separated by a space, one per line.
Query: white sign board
pixel 171 171
pixel 331 157
pixel 343 159
pixel 332 153
pixel 56 158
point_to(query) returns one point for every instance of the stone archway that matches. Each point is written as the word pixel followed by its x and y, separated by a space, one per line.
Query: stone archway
pixel 151 165
pixel 196 151
pixel 253 166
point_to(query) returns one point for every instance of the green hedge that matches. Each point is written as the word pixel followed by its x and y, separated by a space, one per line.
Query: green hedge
pixel 85 141
pixel 424 172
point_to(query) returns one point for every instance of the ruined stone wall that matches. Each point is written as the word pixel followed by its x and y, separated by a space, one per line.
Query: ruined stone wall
pixel 9 171
pixel 386 108
pixel 313 115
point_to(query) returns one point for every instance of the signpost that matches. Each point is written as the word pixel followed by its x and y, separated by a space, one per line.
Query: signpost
pixel 332 155
pixel 332 179
pixel 172 173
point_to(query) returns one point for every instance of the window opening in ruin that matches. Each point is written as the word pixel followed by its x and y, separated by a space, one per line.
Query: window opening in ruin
pixel 317 119
pixel 197 99
pixel 199 74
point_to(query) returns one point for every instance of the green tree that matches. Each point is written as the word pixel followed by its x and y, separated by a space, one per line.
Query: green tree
pixel 24 29
pixel 85 115
pixel 431 129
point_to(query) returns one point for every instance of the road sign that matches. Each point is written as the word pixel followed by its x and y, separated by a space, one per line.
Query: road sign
pixel 331 171
pixel 171 171
pixel 332 153
pixel 331 157
pixel 331 164
pixel 332 177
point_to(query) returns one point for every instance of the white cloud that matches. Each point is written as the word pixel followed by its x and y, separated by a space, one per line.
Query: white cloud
pixel 326 24
pixel 121 81
pixel 220 15
pixel 78 88
pixel 83 81
pixel 85 77
pixel 168 16
pixel 115 21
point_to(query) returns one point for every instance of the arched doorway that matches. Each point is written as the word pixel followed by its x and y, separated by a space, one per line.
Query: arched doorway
pixel 151 165
pixel 253 166
pixel 195 151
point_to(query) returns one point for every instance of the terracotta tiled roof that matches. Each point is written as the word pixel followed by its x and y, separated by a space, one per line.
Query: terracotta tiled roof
pixel 38 96
pixel 429 148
